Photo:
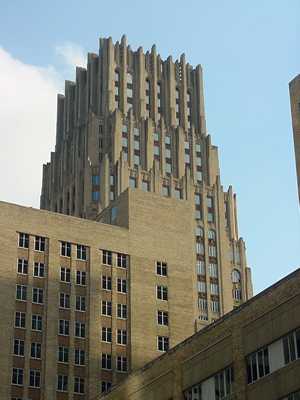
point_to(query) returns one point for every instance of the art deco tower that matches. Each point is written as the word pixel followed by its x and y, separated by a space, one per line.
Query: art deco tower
pixel 134 120
pixel 295 109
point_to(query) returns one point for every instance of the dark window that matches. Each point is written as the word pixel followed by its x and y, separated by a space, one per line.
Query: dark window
pixel 65 249
pixel 24 240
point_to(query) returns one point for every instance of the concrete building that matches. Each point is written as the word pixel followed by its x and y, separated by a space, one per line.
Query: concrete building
pixel 295 109
pixel 84 302
pixel 249 354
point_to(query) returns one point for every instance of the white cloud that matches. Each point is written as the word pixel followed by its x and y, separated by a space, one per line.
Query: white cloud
pixel 72 54
pixel 27 127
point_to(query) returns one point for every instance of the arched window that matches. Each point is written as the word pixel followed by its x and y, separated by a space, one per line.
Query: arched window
pixel 211 234
pixel 236 276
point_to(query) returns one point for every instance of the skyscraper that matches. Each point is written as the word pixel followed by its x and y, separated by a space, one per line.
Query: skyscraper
pixel 155 254
pixel 295 109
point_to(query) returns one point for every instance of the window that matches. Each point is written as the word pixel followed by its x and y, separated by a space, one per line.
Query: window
pixel 122 311
pixel 199 248
pixel 80 329
pixel 121 285
pixel 65 274
pixel 165 190
pixel 37 295
pixel 106 308
pixel 39 243
pixel 79 357
pixel 64 300
pixel 78 385
pixel 201 286
pixel 20 319
pixel 202 304
pixel 80 303
pixel 22 266
pixel 258 365
pixel 106 257
pixel 178 193
pixel 236 276
pixel 62 383
pixel 132 182
pixel 105 386
pixel 223 384
pixel 36 322
pixel 63 354
pixel 214 288
pixel 121 364
pixel 213 270
pixel 212 251
pixel 161 268
pixel 24 240
pixel 18 347
pixel 36 350
pixel 200 265
pixel 65 249
pixel 81 278
pixel 106 282
pixel 95 179
pixel 122 260
pixel 81 252
pixel 162 292
pixel 34 378
pixel 199 231
pixel 211 234
pixel 237 294
pixel 121 336
pixel 163 318
pixel 95 195
pixel 64 327
pixel 106 335
pixel 39 270
pixel 215 306
pixel 106 361
pixel 291 346
pixel 17 376
pixel 21 292
pixel 162 343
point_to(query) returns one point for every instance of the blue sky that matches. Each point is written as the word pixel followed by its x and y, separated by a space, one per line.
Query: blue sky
pixel 249 52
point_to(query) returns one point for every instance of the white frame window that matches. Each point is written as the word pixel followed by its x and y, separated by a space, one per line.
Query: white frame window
pixel 106 282
pixel 64 327
pixel 65 249
pixel 36 322
pixel 81 252
pixel 202 304
pixel 121 364
pixel 37 295
pixel 23 240
pixel 162 318
pixel 20 319
pixel 80 303
pixel 106 334
pixel 79 357
pixel 106 308
pixel 162 343
pixel 214 288
pixel 121 260
pixel 18 347
pixel 213 270
pixel 21 292
pixel 34 378
pixel 62 383
pixel 64 300
pixel 65 275
pixel 215 306
pixel 36 350
pixel 161 268
pixel 258 364
pixel 121 285
pixel 22 266
pixel 17 376
pixel 106 361
pixel 200 265
pixel 39 243
pixel 122 311
pixel 105 386
pixel 162 292
pixel 121 337
pixel 79 385
pixel 81 278
pixel 106 257
pixel 79 330
pixel 201 285
pixel 63 354
pixel 39 270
